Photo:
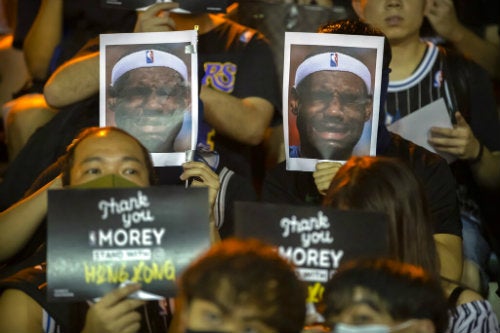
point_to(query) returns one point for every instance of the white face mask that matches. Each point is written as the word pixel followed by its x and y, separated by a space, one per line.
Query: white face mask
pixel 374 328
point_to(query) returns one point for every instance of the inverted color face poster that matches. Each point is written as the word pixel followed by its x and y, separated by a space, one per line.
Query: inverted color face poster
pixel 331 97
pixel 99 239
pixel 149 88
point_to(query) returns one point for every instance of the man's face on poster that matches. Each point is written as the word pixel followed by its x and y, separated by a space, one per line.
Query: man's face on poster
pixel 332 108
pixel 149 103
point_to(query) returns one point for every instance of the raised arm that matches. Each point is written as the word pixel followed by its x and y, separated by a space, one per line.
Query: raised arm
pixel 248 125
pixel 443 18
pixel 78 78
pixel 20 221
pixel 203 176
pixel 43 38
pixel 74 81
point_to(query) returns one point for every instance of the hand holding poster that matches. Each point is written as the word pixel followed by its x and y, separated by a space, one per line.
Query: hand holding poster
pixel 99 239
pixel 331 85
pixel 185 6
pixel 149 88
pixel 315 239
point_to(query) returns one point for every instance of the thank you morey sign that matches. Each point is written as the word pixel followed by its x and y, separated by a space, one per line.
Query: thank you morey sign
pixel 99 239
pixel 315 239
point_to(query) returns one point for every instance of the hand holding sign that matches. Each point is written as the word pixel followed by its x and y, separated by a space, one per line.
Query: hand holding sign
pixel 325 171
pixel 115 313
pixel 156 18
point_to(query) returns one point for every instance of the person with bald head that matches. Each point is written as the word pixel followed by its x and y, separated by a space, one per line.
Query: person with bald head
pixel 332 100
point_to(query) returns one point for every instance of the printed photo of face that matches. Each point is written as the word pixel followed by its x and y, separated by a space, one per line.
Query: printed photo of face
pixel 332 108
pixel 151 103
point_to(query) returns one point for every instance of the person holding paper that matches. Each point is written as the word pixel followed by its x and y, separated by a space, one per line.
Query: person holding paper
pixel 282 186
pixel 96 154
pixel 149 97
pixel 332 100
pixel 240 95
pixel 423 73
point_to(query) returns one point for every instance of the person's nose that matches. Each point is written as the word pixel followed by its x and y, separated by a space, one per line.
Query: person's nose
pixel 153 102
pixel 335 107
pixel 110 168
pixel 393 3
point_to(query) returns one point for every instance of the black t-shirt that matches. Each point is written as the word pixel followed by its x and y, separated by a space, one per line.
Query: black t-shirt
pixel 296 187
pixel 237 60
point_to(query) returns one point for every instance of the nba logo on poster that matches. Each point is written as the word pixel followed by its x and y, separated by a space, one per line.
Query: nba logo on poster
pixel 334 59
pixel 150 57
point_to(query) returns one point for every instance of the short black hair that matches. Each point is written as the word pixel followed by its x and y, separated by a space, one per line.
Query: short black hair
pixel 357 27
pixel 248 271
pixel 403 290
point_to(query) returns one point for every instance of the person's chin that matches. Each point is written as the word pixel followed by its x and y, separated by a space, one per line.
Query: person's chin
pixel 333 150
pixel 155 143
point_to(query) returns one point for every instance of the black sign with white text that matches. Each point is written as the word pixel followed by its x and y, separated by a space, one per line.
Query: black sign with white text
pixel 99 239
pixel 315 239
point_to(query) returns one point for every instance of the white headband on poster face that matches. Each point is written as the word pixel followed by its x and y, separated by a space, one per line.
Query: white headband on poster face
pixel 148 58
pixel 333 61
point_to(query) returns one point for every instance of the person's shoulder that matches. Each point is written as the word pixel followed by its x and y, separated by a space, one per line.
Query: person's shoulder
pixel 458 65
pixel 469 296
pixel 412 153
pixel 19 312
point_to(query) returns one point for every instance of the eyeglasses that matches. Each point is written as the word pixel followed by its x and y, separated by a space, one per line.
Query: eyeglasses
pixel 344 98
pixel 144 92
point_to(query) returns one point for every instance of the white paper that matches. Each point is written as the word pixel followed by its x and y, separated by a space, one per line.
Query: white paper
pixel 415 126
pixel 181 44
pixel 297 47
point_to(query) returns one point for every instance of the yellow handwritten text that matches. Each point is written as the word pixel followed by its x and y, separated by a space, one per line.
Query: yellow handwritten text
pixel 142 272
pixel 147 273
pixel 99 274
pixel 315 292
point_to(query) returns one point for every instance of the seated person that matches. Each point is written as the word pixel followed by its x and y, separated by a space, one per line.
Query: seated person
pixel 114 152
pixel 386 185
pixel 294 187
pixel 240 286
pixel 96 153
pixel 50 32
pixel 383 295
pixel 423 73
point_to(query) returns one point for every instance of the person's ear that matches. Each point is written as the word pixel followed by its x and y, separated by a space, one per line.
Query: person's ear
pixel 358 8
pixel 293 105
pixel 111 99
pixel 369 109
pixel 111 103
pixel 180 318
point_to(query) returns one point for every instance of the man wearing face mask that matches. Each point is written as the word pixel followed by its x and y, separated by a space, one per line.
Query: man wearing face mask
pixel 98 157
pixel 382 296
